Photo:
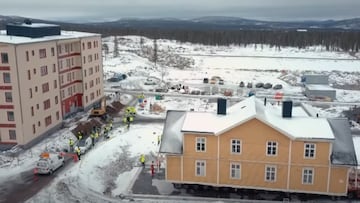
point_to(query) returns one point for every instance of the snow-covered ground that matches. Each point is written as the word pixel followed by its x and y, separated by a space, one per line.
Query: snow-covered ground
pixel 112 164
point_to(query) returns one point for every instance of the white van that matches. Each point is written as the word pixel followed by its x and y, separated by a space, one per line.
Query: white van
pixel 49 162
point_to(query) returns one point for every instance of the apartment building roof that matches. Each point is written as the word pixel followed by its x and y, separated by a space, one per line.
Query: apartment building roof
pixel 299 126
pixel 9 39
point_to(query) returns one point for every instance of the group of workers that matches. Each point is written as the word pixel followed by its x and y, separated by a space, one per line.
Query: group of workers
pixel 130 113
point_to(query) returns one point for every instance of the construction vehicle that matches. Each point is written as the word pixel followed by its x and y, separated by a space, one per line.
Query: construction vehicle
pixel 99 109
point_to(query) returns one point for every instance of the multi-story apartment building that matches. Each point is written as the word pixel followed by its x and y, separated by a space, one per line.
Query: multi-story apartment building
pixel 254 145
pixel 46 74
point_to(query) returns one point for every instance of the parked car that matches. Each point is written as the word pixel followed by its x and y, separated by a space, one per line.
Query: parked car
pixel 206 80
pixel 249 85
pixel 241 84
pixel 84 144
pixel 267 86
pixel 277 87
pixel 117 77
pixel 49 162
pixel 259 85
pixel 150 81
pixel 221 82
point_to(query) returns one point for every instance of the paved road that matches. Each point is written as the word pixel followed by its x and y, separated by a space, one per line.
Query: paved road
pixel 27 185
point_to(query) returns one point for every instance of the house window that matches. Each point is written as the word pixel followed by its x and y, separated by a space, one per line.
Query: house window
pixel 52 51
pixel 32 111
pixel 309 150
pixel 29 74
pixel 45 87
pixel 55 84
pixel 42 53
pixel 8 97
pixel 43 70
pixel 57 115
pixel 56 100
pixel 235 171
pixel 200 168
pixel 270 173
pixel 4 58
pixel 235 146
pixel 10 116
pixel 48 121
pixel 46 104
pixel 6 77
pixel 308 176
pixel 27 56
pixel 200 144
pixel 12 134
pixel 271 148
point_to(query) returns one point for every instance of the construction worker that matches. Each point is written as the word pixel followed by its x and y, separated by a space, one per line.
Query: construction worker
pixel 78 152
pixel 80 135
pixel 152 168
pixel 92 135
pixel 71 144
pixel 106 132
pixel 142 160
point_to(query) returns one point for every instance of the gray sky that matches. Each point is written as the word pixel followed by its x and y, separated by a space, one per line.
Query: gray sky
pixel 281 10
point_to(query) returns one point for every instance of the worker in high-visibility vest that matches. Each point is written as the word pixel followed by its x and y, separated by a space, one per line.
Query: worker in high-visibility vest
pixel 71 144
pixel 142 160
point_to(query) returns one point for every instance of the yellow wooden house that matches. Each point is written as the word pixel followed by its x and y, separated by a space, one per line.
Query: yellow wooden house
pixel 256 145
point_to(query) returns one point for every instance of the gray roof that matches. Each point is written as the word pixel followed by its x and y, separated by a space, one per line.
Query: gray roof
pixel 343 151
pixel 172 137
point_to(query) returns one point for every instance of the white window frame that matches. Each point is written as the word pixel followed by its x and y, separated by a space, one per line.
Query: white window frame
pixel 271 145
pixel 308 147
pixel 201 165
pixel 236 167
pixel 200 141
pixel 307 182
pixel 232 145
pixel 270 172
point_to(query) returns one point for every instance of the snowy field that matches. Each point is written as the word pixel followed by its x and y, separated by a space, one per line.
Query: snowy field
pixel 112 165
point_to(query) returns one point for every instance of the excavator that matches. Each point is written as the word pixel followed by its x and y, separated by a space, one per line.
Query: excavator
pixel 99 110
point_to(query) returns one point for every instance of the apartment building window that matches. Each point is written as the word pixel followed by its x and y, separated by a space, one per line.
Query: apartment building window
pixel 200 144
pixel 36 88
pixel 12 134
pixel 33 53
pixel 27 55
pixel 68 63
pixel 54 68
pixel 92 96
pixel 61 79
pixel 271 148
pixel 73 75
pixel 10 116
pixel 4 58
pixel 48 121
pixel 43 70
pixel 29 74
pixel 6 77
pixel 90 58
pixel 55 84
pixel 235 146
pixel 85 86
pixel 60 64
pixel 8 97
pixel 42 53
pixel 59 49
pixel 84 58
pixel 235 171
pixel 34 71
pixel 39 123
pixel 57 115
pixel 309 150
pixel 66 48
pixel 56 100
pixel 37 106
pixel 86 99
pixel 94 44
pixel 74 89
pixel 308 176
pixel 52 51
pixel 91 71
pixel 270 173
pixel 30 91
pixel 72 61
pixel 32 111
pixel 200 168
pixel 47 104
pixel 83 46
pixel 69 91
pixel 89 45
pixel 91 83
pixel 71 47
pixel 62 93
pixel 85 73
pixel 34 129
pixel 68 77
pixel 45 87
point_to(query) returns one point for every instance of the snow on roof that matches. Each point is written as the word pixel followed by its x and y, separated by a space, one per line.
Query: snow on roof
pixel 36 25
pixel 343 152
pixel 4 38
pixel 299 126
pixel 319 87
pixel 172 138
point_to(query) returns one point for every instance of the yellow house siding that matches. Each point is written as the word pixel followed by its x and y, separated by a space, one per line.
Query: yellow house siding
pixel 338 180
pixel 173 168
pixel 190 146
pixel 321 153
pixel 320 176
pixel 190 170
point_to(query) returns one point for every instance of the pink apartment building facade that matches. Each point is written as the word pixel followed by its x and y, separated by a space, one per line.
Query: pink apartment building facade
pixel 45 75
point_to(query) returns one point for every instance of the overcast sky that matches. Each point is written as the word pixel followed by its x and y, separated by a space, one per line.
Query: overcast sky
pixel 282 10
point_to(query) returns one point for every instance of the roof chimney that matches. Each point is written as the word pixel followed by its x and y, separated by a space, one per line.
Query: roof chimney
pixel 287 109
pixel 221 106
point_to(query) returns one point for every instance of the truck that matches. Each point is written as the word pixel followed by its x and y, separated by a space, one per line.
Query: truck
pixel 49 162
